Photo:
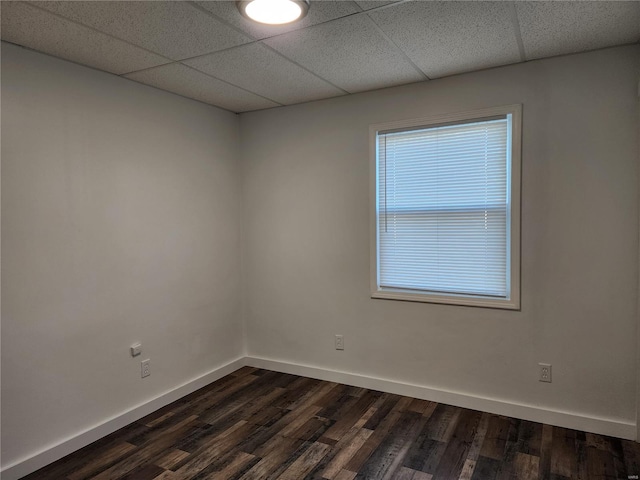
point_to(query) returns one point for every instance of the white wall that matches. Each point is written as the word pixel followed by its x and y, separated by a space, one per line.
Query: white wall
pixel 306 241
pixel 120 223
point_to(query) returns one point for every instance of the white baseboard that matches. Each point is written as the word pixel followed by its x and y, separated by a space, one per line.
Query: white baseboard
pixel 602 426
pixel 48 455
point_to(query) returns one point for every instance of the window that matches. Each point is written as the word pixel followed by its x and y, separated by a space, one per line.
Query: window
pixel 446 209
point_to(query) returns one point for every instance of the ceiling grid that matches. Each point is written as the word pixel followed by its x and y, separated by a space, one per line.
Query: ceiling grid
pixel 207 51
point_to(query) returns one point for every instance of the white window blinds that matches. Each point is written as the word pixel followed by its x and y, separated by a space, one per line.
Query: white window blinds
pixel 444 208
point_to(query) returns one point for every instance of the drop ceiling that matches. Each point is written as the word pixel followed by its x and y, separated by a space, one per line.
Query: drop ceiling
pixel 207 51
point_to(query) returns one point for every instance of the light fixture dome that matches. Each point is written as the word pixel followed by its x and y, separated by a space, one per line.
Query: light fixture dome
pixel 273 12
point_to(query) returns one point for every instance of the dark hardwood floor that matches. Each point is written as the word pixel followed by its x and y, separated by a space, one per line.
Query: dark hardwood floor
pixel 258 424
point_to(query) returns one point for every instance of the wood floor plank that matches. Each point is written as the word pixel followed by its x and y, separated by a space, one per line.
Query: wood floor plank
pixel 346 449
pixel 313 430
pixel 430 446
pixel 615 447
pixel 238 399
pixel 405 473
pixel 331 398
pixel 167 475
pixel 458 446
pixel 199 434
pixel 600 465
pixel 257 424
pixel 563 452
pixel 376 438
pixel 419 406
pixel 160 419
pixel 144 472
pixel 315 397
pixel 530 438
pixel 168 425
pixel 486 468
pixel 474 451
pixel 443 422
pixel 254 406
pixel 631 459
pixel 213 449
pixel 229 468
pixel 243 371
pixel 425 454
pixel 101 462
pixel 390 453
pixel 362 421
pixel 300 419
pixel 421 476
pixel 300 391
pixel 496 438
pixel 351 416
pixel 199 401
pixel 88 454
pixel 526 466
pixel 146 454
pixel 338 408
pixel 596 441
pixel 345 475
pixel 279 452
pixel 171 459
pixel 384 405
pixel 282 426
pixel 359 391
pixel 267 416
pixel 506 471
pixel 468 469
pixel 545 452
pixel 305 462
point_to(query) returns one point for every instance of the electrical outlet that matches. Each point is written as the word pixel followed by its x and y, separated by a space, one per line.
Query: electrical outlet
pixel 339 342
pixel 145 368
pixel 544 375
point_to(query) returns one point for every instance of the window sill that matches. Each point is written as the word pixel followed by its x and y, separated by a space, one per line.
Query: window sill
pixel 462 300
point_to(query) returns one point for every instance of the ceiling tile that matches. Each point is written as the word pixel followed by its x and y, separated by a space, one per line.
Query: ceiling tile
pixel 319 12
pixel 174 29
pixel 263 71
pixel 350 53
pixel 556 28
pixel 444 38
pixel 31 27
pixel 368 5
pixel 190 83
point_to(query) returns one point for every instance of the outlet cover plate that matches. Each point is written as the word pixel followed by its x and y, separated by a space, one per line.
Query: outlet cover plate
pixel 145 368
pixel 544 372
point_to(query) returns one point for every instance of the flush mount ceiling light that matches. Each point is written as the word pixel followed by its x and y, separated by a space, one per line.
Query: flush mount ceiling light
pixel 274 12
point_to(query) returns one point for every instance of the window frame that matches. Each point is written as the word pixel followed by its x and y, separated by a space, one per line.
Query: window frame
pixel 513 220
